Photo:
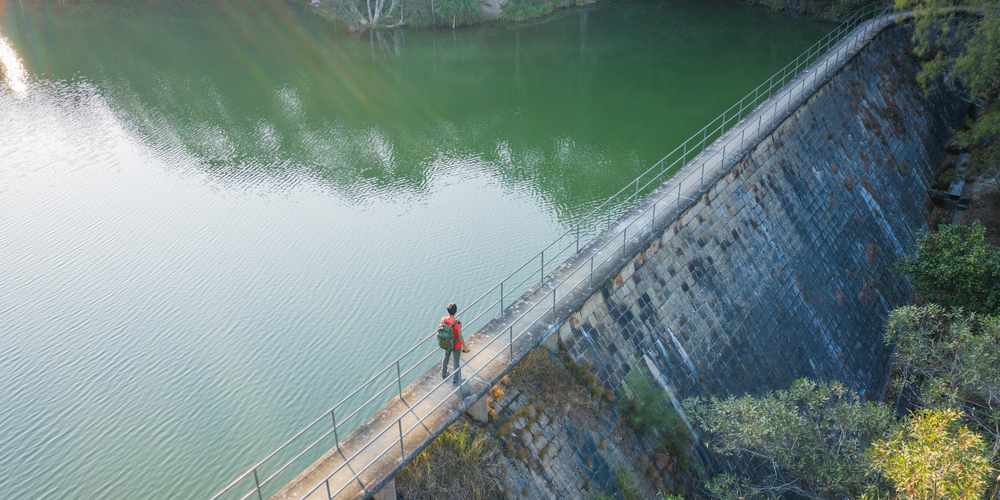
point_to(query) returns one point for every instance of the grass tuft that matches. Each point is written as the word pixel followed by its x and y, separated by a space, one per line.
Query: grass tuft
pixel 628 486
pixel 503 430
pixel 456 465
pixel 647 408
pixel 553 384
pixel 496 393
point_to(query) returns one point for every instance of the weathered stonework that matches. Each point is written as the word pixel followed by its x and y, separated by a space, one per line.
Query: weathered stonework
pixel 577 451
pixel 781 270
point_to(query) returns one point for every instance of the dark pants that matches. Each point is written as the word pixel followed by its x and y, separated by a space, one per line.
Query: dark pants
pixel 444 365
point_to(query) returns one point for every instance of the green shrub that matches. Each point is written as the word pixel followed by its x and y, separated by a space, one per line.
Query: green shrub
pixel 647 408
pixel 520 10
pixel 662 495
pixel 955 267
pixel 628 486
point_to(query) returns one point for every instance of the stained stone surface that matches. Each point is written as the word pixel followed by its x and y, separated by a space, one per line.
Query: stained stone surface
pixel 781 270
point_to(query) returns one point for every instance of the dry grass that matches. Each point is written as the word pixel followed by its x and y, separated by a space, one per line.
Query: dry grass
pixel 458 464
pixel 551 383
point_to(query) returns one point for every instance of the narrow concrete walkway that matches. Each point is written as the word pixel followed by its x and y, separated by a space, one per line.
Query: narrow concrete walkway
pixel 372 455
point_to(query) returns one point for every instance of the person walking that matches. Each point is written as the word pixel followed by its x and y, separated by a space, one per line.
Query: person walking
pixel 459 347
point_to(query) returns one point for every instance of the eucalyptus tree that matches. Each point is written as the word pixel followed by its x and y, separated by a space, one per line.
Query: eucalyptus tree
pixel 952 360
pixel 386 14
pixel 809 441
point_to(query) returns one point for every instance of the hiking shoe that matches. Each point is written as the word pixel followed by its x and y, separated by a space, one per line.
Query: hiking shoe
pixel 462 381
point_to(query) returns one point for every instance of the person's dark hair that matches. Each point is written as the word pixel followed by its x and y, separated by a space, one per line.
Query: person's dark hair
pixel 452 308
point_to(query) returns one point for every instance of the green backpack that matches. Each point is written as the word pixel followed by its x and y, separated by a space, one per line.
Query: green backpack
pixel 446 335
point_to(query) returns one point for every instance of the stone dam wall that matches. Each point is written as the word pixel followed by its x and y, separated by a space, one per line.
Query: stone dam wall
pixel 776 268
pixel 781 269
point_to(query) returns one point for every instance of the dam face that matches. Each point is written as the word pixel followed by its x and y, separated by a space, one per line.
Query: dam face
pixel 775 266
pixel 781 270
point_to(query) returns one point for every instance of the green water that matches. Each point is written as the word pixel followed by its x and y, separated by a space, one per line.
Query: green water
pixel 218 218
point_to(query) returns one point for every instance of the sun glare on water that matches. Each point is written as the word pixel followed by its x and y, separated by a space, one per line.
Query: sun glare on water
pixel 13 71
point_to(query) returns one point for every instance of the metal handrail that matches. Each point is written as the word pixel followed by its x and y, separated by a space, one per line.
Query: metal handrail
pixel 588 226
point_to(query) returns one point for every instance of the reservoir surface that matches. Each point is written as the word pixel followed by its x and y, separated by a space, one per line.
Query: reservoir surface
pixel 217 218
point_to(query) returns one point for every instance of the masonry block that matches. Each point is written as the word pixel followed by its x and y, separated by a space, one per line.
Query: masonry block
pixel 551 344
pixel 479 410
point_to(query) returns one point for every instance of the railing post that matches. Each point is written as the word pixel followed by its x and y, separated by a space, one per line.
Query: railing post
pixel 399 381
pixel 335 437
pixel 260 496
pixel 541 272
pixel 511 344
pixel 591 272
pixel 577 237
pixel 402 452
pixel 624 241
pixel 501 297
pixel 329 496
pixel 554 288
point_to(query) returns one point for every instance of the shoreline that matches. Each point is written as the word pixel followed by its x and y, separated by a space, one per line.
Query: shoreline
pixel 500 11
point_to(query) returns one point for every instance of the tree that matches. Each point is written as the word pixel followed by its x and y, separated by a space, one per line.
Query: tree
pixel 934 456
pixel 975 64
pixel 376 14
pixel 361 14
pixel 952 359
pixel 955 267
pixel 811 438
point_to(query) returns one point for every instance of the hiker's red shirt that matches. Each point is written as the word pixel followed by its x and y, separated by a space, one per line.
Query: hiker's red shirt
pixel 454 323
